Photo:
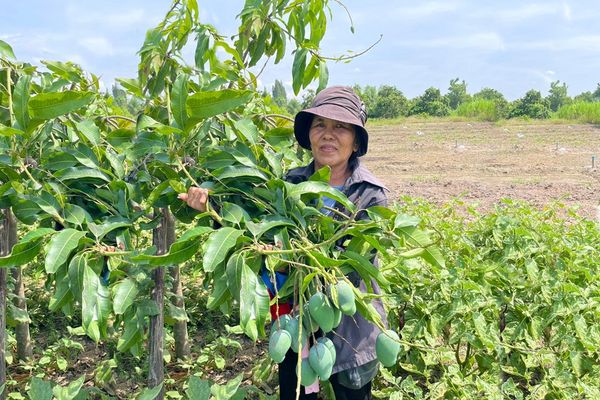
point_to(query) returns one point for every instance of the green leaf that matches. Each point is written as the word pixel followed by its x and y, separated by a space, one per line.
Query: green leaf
pixel 26 211
pixel 227 391
pixel 233 269
pixel 237 172
pixel 203 105
pixel 22 253
pixel 179 95
pixel 76 215
pixel 365 268
pixel 85 155
pixel 220 293
pixel 202 42
pixel 76 270
pixel 70 174
pixel 180 251
pixel 419 238
pixel 266 224
pixel 116 162
pixel 132 86
pixel 52 105
pixel 95 305
pixel 248 129
pixel 218 245
pixel 69 392
pixel 39 389
pixel 404 220
pixel 323 76
pixel 198 389
pixel 194 233
pixel 252 303
pixel 112 223
pixel 310 189
pixel 10 132
pixel 60 247
pixel 61 296
pixel 131 335
pixel 6 51
pixel 233 213
pixel 21 100
pixel 125 294
pixel 150 394
pixel 48 204
pixel 145 122
pixel 90 131
pixel 298 68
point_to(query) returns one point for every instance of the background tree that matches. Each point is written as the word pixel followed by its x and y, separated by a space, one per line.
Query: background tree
pixel 557 96
pixel 279 95
pixel 457 94
pixel 501 103
pixel 293 106
pixel 391 103
pixel 368 94
pixel 532 105
pixel 431 102
pixel 307 98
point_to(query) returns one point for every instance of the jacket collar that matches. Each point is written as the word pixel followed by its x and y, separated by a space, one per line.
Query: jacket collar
pixel 360 174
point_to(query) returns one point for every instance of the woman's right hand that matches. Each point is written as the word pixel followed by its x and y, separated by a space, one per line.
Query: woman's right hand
pixel 196 198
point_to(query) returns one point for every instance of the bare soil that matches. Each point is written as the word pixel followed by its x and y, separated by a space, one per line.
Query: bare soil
pixel 483 162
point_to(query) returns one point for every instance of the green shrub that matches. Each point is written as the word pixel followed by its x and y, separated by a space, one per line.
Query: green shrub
pixel 581 111
pixel 483 110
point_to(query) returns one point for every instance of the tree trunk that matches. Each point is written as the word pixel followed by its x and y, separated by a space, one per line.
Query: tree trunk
pixel 182 346
pixel 24 347
pixel 156 371
pixel 5 249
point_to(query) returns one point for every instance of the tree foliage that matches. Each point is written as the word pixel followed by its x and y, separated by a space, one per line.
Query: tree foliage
pixel 390 103
pixel 532 105
pixel 431 102
pixel 457 94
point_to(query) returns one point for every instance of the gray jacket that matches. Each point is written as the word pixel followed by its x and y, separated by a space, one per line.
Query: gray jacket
pixel 354 338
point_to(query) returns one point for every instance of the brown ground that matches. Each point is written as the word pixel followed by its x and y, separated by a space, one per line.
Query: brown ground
pixel 483 162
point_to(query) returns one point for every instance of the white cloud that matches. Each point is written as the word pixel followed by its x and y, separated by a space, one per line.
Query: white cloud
pixel 567 12
pixel 586 44
pixel 426 9
pixel 483 41
pixel 98 45
pixel 122 20
pixel 528 11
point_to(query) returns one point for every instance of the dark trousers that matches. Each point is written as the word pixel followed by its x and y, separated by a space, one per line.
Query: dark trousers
pixel 288 382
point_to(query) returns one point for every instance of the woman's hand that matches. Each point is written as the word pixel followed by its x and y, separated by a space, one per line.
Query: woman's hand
pixel 196 198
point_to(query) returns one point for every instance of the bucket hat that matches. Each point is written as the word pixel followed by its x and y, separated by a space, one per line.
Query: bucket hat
pixel 339 103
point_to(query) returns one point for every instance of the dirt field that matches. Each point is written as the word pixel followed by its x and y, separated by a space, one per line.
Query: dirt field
pixel 484 162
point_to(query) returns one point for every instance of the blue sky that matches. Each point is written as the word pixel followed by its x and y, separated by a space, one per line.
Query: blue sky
pixel 511 46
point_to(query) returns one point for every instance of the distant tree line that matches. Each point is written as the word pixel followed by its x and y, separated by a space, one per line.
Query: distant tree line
pixel 389 102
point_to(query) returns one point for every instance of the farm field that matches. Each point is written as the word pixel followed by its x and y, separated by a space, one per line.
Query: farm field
pixel 483 162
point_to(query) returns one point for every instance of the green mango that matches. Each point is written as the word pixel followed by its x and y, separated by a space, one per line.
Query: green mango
pixel 337 317
pixel 321 311
pixel 320 360
pixel 294 329
pixel 345 298
pixel 308 376
pixel 282 321
pixel 279 344
pixel 309 324
pixel 387 347
pixel 329 345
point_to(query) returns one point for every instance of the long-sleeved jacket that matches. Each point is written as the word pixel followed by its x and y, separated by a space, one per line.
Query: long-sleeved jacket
pixel 354 338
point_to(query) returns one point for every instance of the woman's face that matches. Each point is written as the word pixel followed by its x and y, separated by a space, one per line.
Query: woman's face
pixel 332 142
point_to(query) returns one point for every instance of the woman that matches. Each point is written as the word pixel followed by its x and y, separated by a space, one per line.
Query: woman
pixel 333 129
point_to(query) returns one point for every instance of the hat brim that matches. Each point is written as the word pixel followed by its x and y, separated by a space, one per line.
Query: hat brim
pixel 304 119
